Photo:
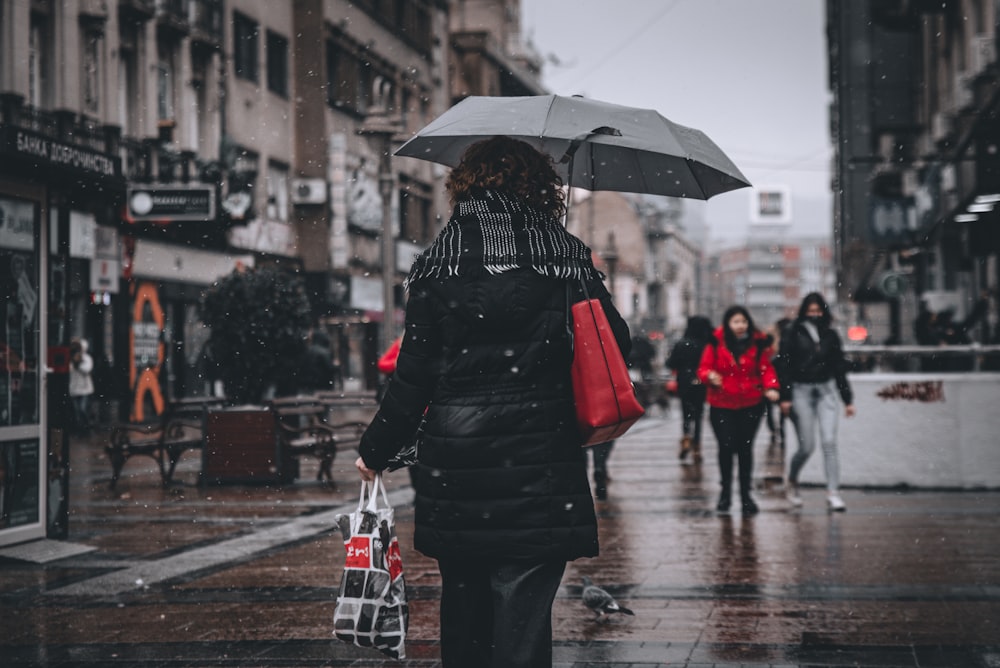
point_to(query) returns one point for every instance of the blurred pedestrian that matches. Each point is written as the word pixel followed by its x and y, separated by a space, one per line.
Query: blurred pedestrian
pixel 684 359
pixel 502 497
pixel 813 372
pixel 316 370
pixel 736 367
pixel 81 384
pixel 776 419
pixel 599 455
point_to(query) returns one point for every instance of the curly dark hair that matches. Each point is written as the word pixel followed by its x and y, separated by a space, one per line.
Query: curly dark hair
pixel 511 166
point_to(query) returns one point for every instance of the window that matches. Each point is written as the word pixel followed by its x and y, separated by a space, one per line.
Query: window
pixel 91 62
pixel 245 35
pixel 277 64
pixel 165 82
pixel 39 62
pixel 415 222
pixel 277 192
pixel 351 78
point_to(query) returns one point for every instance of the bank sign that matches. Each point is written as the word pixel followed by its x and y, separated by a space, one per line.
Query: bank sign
pixel 47 152
pixel 170 203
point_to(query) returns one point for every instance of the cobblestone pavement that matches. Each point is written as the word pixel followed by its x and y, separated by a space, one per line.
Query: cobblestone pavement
pixel 247 576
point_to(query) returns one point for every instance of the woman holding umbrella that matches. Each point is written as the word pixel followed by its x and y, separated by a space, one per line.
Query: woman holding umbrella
pixel 502 497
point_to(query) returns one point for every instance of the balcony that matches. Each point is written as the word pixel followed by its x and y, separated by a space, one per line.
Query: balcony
pixel 172 18
pixel 205 19
pixel 136 10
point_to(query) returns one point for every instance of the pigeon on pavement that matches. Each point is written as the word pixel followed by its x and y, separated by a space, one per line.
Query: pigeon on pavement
pixel 600 601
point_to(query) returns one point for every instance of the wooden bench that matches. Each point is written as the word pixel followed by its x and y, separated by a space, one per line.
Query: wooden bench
pixel 303 428
pixel 178 428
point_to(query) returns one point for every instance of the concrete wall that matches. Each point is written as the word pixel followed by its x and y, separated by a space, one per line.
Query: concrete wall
pixel 922 430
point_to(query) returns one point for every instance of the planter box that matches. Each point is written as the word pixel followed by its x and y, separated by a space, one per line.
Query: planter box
pixel 241 446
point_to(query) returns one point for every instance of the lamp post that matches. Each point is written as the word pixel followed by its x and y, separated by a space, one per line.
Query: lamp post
pixel 610 256
pixel 381 127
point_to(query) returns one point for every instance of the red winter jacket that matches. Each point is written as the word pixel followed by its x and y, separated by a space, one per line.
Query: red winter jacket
pixel 743 382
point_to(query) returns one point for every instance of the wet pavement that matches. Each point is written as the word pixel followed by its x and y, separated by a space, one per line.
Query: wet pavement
pixel 248 575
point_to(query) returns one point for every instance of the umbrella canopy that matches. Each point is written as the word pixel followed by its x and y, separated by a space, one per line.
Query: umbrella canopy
pixel 595 145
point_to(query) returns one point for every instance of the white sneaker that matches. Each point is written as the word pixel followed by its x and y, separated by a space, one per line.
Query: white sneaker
pixel 836 503
pixel 792 495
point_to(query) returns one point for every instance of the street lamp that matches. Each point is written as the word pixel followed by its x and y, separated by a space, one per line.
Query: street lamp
pixel 610 257
pixel 382 127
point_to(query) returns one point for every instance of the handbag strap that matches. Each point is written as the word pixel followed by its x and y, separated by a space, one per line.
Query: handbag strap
pixel 569 306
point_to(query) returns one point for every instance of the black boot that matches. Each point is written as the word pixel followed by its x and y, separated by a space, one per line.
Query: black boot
pixel 725 500
pixel 749 507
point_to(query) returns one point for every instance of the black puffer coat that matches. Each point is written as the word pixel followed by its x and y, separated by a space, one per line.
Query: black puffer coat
pixel 501 473
pixel 802 360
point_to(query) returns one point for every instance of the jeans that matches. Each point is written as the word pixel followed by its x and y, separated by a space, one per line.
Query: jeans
pixel 81 417
pixel 497 614
pixel 816 411
pixel 735 430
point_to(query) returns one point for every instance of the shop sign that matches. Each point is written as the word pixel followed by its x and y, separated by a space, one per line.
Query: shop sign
pixel 17 224
pixel 45 151
pixel 771 204
pixel 171 203
pixel 106 266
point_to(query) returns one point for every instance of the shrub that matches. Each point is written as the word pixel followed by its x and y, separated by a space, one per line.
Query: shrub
pixel 259 320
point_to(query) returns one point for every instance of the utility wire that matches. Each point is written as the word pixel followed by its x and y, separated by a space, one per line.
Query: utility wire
pixel 618 47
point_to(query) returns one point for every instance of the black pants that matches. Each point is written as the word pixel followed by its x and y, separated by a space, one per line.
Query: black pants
pixel 497 614
pixel 735 431
pixel 693 408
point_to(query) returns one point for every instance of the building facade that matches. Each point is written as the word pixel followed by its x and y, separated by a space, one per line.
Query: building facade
pixel 769 274
pixel 915 124
pixel 150 147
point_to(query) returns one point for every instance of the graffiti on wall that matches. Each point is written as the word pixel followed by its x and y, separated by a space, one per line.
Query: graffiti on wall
pixel 928 391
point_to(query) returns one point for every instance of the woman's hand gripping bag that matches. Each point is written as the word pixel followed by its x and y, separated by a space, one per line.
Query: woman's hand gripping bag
pixel 371 606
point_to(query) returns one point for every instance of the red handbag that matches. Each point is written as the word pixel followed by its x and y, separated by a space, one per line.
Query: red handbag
pixel 606 405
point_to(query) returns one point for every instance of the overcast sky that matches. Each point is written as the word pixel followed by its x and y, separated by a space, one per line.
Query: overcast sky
pixel 749 73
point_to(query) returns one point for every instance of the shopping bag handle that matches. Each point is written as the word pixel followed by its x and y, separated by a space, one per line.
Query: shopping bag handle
pixel 370 491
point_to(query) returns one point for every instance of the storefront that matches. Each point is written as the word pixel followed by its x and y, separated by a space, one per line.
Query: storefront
pixel 166 337
pixel 57 176
pixel 22 411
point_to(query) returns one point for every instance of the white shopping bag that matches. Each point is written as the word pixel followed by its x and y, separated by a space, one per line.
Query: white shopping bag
pixel 371 606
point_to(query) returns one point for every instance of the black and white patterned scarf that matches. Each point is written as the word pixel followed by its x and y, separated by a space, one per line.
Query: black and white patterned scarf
pixel 496 233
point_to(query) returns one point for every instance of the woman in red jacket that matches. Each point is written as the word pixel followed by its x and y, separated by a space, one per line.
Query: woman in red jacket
pixel 736 368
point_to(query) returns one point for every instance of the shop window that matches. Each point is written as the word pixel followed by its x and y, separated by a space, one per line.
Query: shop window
pixel 277 64
pixel 245 35
pixel 19 313
pixel 277 192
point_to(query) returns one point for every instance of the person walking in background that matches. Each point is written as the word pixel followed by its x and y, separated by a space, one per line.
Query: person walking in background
pixel 599 455
pixel 813 372
pixel 502 499
pixel 316 370
pixel 776 419
pixel 684 359
pixel 81 384
pixel 736 367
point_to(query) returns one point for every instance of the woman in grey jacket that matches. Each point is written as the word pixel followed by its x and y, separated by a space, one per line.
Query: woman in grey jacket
pixel 502 497
pixel 813 371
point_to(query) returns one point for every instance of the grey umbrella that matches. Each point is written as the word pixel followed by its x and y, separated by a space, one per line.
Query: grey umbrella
pixel 595 145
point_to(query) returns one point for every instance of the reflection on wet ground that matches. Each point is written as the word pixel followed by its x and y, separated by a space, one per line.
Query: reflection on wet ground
pixel 247 576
